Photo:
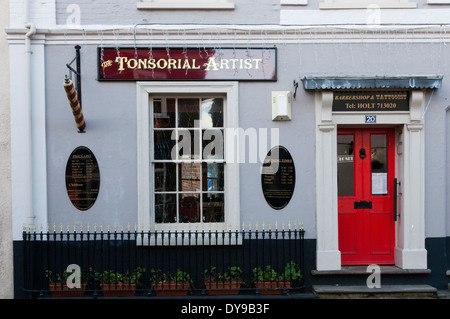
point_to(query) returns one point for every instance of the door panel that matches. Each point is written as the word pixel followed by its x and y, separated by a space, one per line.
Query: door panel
pixel 366 160
pixel 347 237
pixel 380 223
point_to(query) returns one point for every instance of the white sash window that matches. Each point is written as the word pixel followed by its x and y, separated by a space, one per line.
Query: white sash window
pixel 183 175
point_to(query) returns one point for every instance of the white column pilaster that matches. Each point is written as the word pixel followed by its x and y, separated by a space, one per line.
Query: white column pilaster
pixel 328 256
pixel 410 251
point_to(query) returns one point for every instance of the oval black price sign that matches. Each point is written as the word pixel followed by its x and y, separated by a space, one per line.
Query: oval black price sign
pixel 82 178
pixel 278 177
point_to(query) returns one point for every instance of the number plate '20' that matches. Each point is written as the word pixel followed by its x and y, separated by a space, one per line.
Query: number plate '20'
pixel 371 118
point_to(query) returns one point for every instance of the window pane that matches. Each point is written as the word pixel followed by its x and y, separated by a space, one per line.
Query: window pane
pixel 345 162
pixel 189 144
pixel 189 208
pixel 212 144
pixel 188 113
pixel 184 191
pixel 165 208
pixel 189 177
pixel 213 176
pixel 212 112
pixel 163 144
pixel 379 164
pixel 164 113
pixel 213 207
pixel 165 177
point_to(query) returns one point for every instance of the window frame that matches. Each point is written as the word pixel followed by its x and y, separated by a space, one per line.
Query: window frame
pixel 145 92
pixel 180 160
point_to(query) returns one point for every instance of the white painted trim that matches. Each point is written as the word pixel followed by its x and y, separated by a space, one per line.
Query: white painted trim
pixel 185 5
pixel 144 90
pixel 438 2
pixel 362 16
pixel 410 252
pixel 367 5
pixel 294 2
pixel 242 35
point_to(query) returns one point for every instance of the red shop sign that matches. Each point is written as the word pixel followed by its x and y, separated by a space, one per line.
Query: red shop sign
pixel 250 64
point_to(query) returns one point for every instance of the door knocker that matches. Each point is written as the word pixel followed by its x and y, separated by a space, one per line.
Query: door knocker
pixel 362 153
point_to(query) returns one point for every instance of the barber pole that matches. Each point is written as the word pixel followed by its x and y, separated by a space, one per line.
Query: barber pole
pixel 74 104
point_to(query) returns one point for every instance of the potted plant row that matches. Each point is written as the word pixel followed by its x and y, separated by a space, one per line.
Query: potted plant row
pixel 268 281
pixel 170 284
pixel 58 285
pixel 114 283
pixel 226 283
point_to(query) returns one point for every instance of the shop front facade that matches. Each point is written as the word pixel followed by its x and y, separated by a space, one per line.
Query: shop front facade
pixel 324 117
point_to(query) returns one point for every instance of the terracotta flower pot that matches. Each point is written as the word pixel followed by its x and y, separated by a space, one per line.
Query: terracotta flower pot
pixel 118 290
pixel 272 287
pixel 58 290
pixel 223 288
pixel 171 289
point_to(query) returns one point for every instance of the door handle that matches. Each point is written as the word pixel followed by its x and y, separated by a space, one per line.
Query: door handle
pixel 395 200
pixel 362 204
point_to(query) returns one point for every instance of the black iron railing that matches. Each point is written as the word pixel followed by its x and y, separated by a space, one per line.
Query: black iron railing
pixel 138 261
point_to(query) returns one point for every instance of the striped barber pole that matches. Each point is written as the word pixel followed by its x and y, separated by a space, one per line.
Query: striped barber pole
pixel 74 104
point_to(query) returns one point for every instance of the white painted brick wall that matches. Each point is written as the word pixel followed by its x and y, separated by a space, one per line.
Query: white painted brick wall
pixel 42 13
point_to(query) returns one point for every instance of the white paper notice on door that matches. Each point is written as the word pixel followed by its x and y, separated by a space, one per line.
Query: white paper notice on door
pixel 379 184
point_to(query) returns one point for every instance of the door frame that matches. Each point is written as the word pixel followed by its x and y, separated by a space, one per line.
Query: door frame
pixel 410 252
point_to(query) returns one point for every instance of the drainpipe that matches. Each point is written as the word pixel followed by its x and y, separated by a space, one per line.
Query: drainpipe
pixel 29 145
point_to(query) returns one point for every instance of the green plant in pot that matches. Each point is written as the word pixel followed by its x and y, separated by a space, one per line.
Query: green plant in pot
pixel 226 283
pixel 136 276
pixel 292 272
pixel 167 283
pixel 117 284
pixel 268 281
pixel 267 274
pixel 58 284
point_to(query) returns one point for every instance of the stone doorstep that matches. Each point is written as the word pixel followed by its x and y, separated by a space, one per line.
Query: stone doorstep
pixel 387 291
pixel 362 270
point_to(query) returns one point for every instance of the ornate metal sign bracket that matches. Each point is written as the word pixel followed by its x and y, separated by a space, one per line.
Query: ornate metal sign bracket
pixel 77 72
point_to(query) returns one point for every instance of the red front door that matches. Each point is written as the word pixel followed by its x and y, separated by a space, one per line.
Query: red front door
pixel 366 171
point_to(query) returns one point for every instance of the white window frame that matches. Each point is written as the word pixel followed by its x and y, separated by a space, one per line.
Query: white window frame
pixel 145 90
pixel 186 4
